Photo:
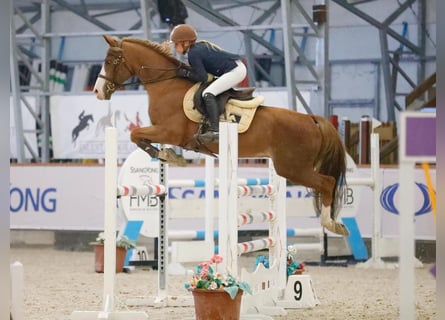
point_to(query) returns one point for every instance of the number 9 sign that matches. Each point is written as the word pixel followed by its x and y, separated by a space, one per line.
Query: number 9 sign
pixel 299 292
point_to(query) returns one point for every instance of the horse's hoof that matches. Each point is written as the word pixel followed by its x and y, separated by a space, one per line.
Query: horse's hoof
pixel 169 156
pixel 337 228
pixel 341 229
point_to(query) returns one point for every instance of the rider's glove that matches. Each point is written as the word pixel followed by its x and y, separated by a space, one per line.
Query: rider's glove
pixel 183 73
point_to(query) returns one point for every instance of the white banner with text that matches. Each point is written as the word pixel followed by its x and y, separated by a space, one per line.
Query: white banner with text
pixel 72 198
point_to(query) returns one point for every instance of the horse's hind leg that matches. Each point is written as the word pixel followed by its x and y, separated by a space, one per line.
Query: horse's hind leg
pixel 324 185
pixel 329 223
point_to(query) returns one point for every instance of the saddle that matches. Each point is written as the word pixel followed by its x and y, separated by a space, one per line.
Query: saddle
pixel 235 105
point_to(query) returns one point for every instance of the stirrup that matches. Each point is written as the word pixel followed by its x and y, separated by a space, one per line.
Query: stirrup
pixel 209 136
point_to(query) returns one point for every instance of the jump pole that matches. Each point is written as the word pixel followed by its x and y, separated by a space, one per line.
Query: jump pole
pixel 183 251
pixel 374 183
pixel 417 144
pixel 381 247
pixel 230 189
pixel 108 311
pixel 267 284
pixel 17 310
pixel 162 299
pixel 228 194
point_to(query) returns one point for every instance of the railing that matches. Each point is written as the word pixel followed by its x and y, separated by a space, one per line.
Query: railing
pixel 424 95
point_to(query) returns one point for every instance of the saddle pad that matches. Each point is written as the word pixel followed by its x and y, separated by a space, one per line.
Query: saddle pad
pixel 239 111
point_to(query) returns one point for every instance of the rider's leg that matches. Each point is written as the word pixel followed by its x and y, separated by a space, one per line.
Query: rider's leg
pixel 212 111
pixel 223 83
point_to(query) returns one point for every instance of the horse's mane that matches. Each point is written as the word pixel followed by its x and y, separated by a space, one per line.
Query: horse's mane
pixel 161 48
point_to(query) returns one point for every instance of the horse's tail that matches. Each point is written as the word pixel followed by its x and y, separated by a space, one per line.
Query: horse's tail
pixel 331 162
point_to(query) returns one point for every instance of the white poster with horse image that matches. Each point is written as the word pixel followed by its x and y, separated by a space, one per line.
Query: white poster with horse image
pixel 78 124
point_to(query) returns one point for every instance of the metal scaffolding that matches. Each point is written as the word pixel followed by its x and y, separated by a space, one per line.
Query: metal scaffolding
pixel 32 45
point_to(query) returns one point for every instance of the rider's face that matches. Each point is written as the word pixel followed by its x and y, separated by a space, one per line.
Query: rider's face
pixel 182 47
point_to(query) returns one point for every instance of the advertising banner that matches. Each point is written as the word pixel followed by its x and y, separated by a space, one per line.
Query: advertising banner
pixel 56 197
pixel 72 198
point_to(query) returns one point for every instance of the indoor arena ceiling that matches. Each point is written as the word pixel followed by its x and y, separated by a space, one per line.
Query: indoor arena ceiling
pixel 33 5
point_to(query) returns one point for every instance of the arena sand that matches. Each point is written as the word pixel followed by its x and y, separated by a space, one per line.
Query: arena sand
pixel 60 282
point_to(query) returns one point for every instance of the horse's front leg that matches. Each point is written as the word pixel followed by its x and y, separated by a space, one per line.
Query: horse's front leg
pixel 145 145
pixel 144 137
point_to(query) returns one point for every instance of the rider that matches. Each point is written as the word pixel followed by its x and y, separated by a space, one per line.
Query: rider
pixel 205 57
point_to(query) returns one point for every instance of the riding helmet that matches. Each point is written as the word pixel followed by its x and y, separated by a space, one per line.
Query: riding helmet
pixel 183 32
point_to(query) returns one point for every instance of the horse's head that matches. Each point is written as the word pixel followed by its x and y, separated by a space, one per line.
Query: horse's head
pixel 114 70
pixel 149 61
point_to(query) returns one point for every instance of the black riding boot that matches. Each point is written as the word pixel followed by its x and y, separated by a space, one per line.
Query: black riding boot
pixel 213 114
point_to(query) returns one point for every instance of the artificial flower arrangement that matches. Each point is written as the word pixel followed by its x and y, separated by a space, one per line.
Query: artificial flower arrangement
pixel 207 277
pixel 122 241
pixel 292 265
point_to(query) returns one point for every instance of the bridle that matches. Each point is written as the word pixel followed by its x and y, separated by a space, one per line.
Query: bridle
pixel 118 59
pixel 111 84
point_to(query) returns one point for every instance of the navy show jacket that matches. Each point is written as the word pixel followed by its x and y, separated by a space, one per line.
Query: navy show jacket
pixel 203 59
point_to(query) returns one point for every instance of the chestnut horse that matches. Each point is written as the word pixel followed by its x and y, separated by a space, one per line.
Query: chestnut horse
pixel 305 149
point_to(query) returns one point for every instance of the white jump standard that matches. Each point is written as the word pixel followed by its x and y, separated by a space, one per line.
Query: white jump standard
pixel 268 284
pixel 109 311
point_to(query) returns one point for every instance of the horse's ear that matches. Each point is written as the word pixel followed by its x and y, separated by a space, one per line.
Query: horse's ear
pixel 112 41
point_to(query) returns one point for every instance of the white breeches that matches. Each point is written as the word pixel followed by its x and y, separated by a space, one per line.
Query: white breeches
pixel 227 80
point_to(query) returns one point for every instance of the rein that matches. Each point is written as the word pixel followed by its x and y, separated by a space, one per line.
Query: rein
pixel 119 59
pixel 160 78
pixel 154 80
pixel 119 85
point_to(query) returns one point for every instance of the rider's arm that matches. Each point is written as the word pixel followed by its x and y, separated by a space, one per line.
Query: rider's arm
pixel 197 71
